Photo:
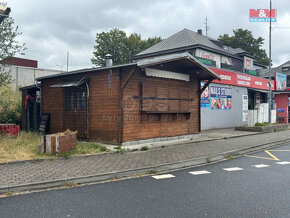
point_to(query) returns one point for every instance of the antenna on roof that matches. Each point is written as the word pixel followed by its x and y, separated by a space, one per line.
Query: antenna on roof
pixel 207 27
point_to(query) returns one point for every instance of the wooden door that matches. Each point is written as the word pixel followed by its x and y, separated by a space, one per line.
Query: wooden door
pixel 75 111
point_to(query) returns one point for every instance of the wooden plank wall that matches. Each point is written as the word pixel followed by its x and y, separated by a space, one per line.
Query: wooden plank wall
pixel 136 127
pixel 103 104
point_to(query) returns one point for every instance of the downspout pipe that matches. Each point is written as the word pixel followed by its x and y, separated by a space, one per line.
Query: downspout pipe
pixel 88 123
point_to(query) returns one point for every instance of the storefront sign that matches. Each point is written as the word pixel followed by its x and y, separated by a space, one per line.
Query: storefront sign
pixel 204 98
pixel 245 108
pixel 251 72
pixel 263 15
pixel 221 98
pixel 280 81
pixel 237 79
pixel 207 62
pixel 208 55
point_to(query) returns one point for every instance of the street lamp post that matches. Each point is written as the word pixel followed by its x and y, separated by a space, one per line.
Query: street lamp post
pixel 270 73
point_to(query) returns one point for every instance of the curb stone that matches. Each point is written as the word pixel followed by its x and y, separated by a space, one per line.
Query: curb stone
pixel 131 172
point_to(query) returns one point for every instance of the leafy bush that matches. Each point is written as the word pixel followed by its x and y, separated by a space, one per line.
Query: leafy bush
pixel 10 105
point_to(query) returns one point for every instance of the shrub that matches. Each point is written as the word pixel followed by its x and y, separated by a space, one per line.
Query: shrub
pixel 144 148
pixel 10 105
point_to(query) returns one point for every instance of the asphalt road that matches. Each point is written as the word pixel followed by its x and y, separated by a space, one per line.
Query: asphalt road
pixel 246 191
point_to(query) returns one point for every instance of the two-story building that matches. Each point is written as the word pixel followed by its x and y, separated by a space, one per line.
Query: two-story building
pixel 239 98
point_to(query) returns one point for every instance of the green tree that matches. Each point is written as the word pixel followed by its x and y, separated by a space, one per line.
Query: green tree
pixel 244 39
pixel 122 47
pixel 9 46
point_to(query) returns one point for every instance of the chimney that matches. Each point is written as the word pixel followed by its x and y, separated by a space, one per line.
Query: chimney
pixel 199 31
pixel 109 60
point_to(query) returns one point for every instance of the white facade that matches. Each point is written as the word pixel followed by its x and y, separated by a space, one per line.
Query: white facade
pixel 25 76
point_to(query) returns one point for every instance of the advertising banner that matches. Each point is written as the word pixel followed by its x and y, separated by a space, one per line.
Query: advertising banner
pixel 280 81
pixel 248 63
pixel 204 98
pixel 238 79
pixel 245 108
pixel 220 98
pixel 231 64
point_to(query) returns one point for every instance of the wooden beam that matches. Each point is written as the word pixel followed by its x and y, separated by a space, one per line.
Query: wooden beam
pixel 129 76
pixel 205 86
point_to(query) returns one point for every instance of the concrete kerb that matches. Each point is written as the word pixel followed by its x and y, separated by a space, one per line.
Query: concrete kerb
pixel 132 172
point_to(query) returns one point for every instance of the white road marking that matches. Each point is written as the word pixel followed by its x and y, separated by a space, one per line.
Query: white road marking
pixel 260 166
pixel 283 162
pixel 233 169
pixel 201 172
pixel 165 176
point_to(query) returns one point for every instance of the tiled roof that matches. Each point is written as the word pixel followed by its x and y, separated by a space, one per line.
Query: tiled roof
pixel 265 72
pixel 186 38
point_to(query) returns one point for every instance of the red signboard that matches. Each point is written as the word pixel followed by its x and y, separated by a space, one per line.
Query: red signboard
pixel 238 79
pixel 261 13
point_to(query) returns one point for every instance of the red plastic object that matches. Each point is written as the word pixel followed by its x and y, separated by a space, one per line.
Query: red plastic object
pixel 9 129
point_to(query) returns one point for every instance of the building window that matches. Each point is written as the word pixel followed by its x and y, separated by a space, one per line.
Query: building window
pixel 69 101
pixel 284 69
pixel 288 80
pixel 81 100
pixel 226 47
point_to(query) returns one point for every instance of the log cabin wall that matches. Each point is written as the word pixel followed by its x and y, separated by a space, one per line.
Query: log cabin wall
pixel 138 125
pixel 52 103
pixel 103 104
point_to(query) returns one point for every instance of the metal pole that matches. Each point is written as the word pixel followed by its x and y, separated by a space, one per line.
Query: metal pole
pixel 270 73
pixel 67 56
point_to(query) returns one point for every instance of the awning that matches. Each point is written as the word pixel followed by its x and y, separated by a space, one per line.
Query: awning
pixel 184 61
pixel 71 83
pixel 258 90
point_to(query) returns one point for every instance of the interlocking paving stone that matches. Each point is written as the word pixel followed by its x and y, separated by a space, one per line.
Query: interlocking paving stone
pixel 42 171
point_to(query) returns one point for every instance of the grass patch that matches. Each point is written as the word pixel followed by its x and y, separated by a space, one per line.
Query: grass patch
pixel 262 124
pixel 135 149
pixel 19 148
pixel 144 148
pixel 23 148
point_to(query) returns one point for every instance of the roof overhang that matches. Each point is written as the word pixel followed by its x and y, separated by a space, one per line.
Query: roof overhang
pixel 282 92
pixel 186 61
pixel 258 90
pixel 71 83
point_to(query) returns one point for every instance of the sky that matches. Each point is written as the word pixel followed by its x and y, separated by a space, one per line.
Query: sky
pixel 50 28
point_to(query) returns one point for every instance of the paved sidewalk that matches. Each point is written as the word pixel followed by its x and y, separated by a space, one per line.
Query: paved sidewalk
pixel 48 173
